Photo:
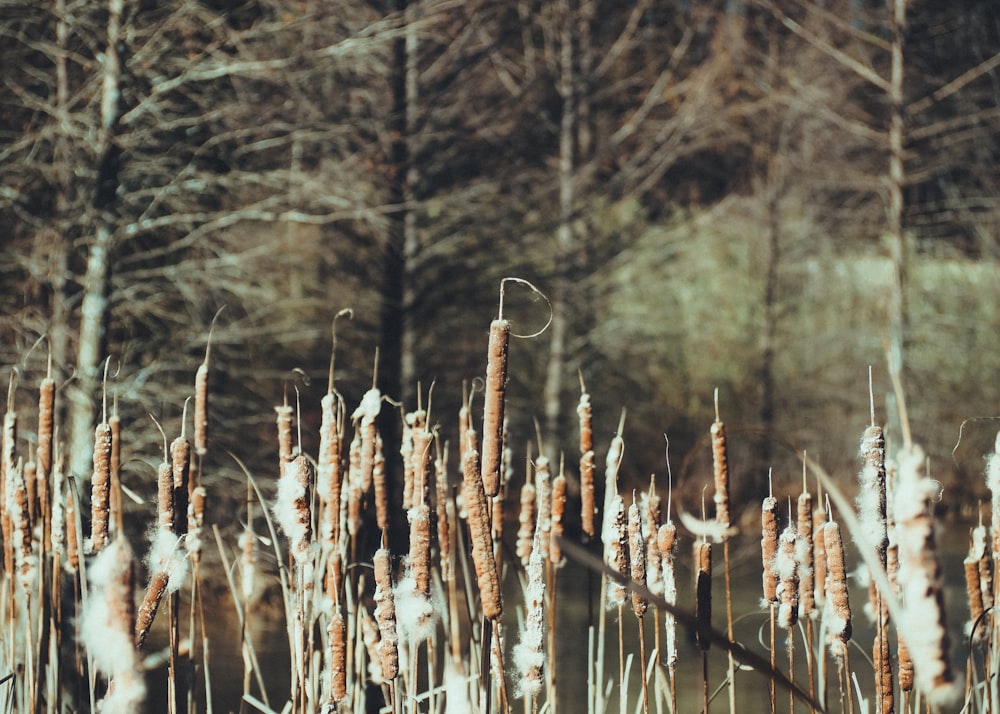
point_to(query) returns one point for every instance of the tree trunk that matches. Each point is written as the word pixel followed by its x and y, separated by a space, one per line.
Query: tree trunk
pixel 897 317
pixel 564 234
pixel 94 308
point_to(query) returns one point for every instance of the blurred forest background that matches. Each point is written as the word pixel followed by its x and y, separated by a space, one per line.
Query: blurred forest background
pixel 760 197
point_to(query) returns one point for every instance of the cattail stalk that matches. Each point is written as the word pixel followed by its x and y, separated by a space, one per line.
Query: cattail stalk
pixel 385 615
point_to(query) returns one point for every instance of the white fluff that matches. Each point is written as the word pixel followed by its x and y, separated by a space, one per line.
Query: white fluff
pixel 919 577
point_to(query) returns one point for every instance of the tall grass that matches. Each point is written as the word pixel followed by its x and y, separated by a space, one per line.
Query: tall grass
pixel 460 620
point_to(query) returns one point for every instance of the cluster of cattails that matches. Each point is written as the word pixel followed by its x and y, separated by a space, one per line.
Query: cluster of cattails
pixel 425 627
pixel 66 561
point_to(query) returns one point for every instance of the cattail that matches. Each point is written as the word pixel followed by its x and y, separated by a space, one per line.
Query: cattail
pixel 720 469
pixel 703 594
pixel 406 451
pixel 985 570
pixel 385 615
pixel 650 505
pixel 993 484
pixel 337 634
pixel 819 557
pixel 328 476
pixel 872 499
pixel 441 507
pixel 617 550
pixel 72 536
pixel 587 504
pixel 526 520
pixel 44 452
pixel 100 488
pixel 167 568
pixel 150 604
pixel 283 417
pixel 378 482
pixel 106 628
pixel 57 529
pixel 666 544
pixel 196 522
pixel 165 496
pixel 496 516
pixel 805 555
pixel 46 425
pixel 558 509
pixel 354 491
pixel 17 505
pixel 30 473
pixel 248 563
pixel 529 652
pixel 902 651
pixel 971 566
pixel 612 463
pixel 180 465
pixel 479 534
pixel 923 617
pixel 769 548
pixel 201 408
pixel 637 557
pixel 368 411
pixel 493 405
pixel 787 569
pixel 292 509
pixel 420 548
pixel 115 470
pixel 543 487
pixel 837 617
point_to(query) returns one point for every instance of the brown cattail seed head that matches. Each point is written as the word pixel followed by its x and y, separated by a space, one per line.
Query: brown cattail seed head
pixel 769 547
pixel 720 465
pixel 493 405
pixel 385 615
pixel 479 533
pixel 587 505
pixel 526 520
pixel 420 548
pixel 100 488
pixel 637 557
pixel 786 567
pixel 703 595
pixel 558 509
pixel 617 550
pixel 923 617
pixel 337 632
pixel 381 491
pixel 165 496
pixel 201 410
pixel 292 508
pixel 819 558
pixel 180 465
pixel 283 418
pixel 442 497
pixel 805 555
pixel 838 606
